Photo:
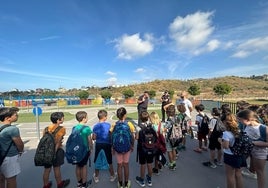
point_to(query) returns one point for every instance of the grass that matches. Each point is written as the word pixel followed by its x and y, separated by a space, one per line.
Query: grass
pixel 44 117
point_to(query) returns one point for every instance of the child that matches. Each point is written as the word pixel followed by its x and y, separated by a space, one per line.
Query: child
pixel 103 142
pixel 81 167
pixel 214 134
pixel 232 162
pixel 123 158
pixel 202 124
pixel 184 122
pixel 171 113
pixel 145 158
pixel 10 138
pixel 56 118
pixel 155 120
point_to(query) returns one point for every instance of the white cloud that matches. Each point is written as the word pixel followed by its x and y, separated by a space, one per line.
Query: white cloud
pixel 251 46
pixel 132 46
pixel 213 45
pixel 112 81
pixel 110 73
pixel 139 70
pixel 49 38
pixel 192 31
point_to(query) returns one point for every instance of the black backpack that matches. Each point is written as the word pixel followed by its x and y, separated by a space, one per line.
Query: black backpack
pixel 45 152
pixel 148 140
pixel 243 145
pixel 203 127
pixel 3 153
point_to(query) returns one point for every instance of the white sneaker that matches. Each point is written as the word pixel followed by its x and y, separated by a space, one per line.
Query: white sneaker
pixel 249 174
pixel 96 179
pixel 112 178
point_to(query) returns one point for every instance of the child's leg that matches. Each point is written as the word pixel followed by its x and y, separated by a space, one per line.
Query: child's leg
pixel 120 173
pixel 142 171
pixel 46 176
pixel 57 174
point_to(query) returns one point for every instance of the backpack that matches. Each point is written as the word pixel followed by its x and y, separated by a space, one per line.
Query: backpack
pixel 149 140
pixel 121 137
pixel 203 127
pixel 161 143
pixel 76 150
pixel 45 152
pixel 3 153
pixel 218 130
pixel 243 145
pixel 174 134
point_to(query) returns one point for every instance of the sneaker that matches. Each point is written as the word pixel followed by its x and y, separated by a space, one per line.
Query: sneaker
pixel 246 172
pixel 149 180
pixel 219 163
pixel 209 164
pixel 119 186
pixel 96 179
pixel 198 150
pixel 88 184
pixel 112 178
pixel 49 185
pixel 156 171
pixel 64 183
pixel 160 167
pixel 172 166
pixel 128 184
pixel 140 181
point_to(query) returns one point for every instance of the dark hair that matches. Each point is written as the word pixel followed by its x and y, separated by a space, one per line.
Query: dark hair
pixel 144 116
pixel 200 107
pixel 215 111
pixel 181 108
pixel 7 112
pixel 80 115
pixel 102 114
pixel 121 112
pixel 245 114
pixel 55 116
pixel 171 110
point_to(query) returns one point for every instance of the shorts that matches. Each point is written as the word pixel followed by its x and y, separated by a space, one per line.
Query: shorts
pixel 122 157
pixel 84 160
pixel 259 152
pixel 234 161
pixel 11 166
pixel 59 160
pixel 107 148
pixel 145 158
pixel 169 147
pixel 201 136
pixel 214 144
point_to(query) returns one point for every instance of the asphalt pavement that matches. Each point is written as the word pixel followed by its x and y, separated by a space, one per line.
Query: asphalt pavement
pixel 190 172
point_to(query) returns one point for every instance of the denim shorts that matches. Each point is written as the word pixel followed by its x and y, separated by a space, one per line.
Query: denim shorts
pixel 234 161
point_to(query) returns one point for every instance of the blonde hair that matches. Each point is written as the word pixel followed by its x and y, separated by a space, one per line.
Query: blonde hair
pixel 230 121
pixel 154 118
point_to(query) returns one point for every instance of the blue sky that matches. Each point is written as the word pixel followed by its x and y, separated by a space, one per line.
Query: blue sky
pixel 75 43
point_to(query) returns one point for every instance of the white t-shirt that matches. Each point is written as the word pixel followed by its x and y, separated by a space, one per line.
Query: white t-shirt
pixel 212 123
pixel 228 136
pixel 188 104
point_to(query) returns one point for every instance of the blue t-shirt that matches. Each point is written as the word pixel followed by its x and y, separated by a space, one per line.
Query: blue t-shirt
pixel 6 136
pixel 101 130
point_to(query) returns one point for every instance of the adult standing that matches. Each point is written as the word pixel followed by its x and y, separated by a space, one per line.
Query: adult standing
pixel 11 143
pixel 143 101
pixel 165 99
pixel 188 104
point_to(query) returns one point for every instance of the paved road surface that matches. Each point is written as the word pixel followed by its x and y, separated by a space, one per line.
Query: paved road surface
pixel 190 173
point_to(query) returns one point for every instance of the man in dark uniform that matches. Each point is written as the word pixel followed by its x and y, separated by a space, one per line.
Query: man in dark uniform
pixel 165 99
pixel 143 101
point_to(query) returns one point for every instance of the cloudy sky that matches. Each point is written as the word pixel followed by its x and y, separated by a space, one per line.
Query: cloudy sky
pixel 75 43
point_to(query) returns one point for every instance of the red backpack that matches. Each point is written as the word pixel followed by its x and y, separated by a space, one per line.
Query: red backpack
pixel 161 143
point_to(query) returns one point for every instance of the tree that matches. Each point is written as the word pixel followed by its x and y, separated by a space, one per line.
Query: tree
pixel 128 93
pixel 222 89
pixel 83 94
pixel 194 90
pixel 152 93
pixel 171 93
pixel 106 94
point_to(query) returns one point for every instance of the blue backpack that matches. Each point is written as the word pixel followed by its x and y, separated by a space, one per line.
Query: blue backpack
pixel 121 137
pixel 76 150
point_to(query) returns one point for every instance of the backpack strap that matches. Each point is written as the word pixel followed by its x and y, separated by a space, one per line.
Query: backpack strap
pixel 2 128
pixel 55 131
pixel 263 133
pixel 159 126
